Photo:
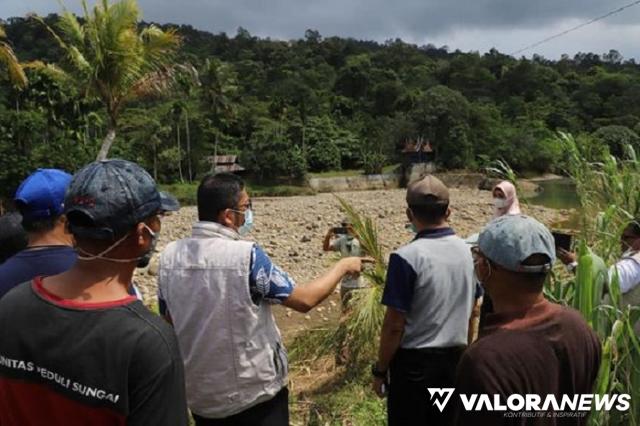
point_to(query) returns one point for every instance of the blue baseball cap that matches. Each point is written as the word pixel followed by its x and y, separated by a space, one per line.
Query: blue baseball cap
pixel 41 195
pixel 511 239
pixel 106 199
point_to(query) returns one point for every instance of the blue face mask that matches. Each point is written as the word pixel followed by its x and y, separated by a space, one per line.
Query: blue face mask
pixel 247 226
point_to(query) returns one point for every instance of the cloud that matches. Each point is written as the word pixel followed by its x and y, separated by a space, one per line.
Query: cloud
pixel 464 24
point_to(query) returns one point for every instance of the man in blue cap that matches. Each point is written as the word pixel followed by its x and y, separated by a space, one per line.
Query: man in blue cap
pixel 77 348
pixel 528 346
pixel 40 200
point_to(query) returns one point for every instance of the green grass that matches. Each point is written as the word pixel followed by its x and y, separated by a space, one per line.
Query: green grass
pixel 337 173
pixel 186 193
pixel 353 172
pixel 343 401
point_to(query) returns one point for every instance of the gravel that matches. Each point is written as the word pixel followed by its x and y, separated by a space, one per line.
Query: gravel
pixel 291 229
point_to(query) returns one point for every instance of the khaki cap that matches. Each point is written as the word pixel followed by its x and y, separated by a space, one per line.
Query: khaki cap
pixel 427 191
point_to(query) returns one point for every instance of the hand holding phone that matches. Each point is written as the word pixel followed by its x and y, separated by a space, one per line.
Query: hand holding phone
pixel 562 240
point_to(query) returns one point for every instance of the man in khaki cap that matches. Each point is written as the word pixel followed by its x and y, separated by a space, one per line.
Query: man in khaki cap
pixel 429 295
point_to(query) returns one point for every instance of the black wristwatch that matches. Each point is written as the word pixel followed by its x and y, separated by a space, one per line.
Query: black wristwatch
pixel 378 373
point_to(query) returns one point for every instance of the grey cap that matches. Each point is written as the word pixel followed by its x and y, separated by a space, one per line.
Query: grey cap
pixel 511 239
pixel 106 199
pixel 427 191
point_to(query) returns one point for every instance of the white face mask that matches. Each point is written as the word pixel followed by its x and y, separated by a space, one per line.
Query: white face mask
pixel 88 256
pixel 500 203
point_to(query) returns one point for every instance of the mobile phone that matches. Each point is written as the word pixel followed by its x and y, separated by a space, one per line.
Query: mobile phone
pixel 562 240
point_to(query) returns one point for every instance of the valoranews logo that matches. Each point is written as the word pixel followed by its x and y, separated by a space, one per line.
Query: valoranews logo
pixel 578 404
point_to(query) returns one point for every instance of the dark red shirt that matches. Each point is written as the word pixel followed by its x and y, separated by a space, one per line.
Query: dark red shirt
pixel 547 349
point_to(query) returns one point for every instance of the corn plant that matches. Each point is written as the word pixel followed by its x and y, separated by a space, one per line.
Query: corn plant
pixel 609 193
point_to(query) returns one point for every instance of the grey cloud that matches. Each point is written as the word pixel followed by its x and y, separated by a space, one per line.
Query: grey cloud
pixel 367 19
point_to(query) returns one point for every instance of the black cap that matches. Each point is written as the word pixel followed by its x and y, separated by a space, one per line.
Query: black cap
pixel 106 199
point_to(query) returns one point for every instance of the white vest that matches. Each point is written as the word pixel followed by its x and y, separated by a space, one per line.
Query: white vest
pixel 232 350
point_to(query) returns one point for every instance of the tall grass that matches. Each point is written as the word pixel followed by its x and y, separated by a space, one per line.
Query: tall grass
pixel 609 194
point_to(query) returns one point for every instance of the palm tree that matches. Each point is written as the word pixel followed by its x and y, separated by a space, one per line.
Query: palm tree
pixel 8 58
pixel 219 87
pixel 187 81
pixel 177 112
pixel 114 61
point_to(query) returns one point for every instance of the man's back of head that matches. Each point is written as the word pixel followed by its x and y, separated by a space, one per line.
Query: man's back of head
pixel 107 202
pixel 40 200
pixel 428 202
pixel 48 250
pixel 217 193
pixel 514 255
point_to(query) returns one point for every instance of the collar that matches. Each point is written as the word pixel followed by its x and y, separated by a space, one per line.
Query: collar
pixel 519 319
pixel 38 288
pixel 435 233
pixel 631 254
pixel 214 230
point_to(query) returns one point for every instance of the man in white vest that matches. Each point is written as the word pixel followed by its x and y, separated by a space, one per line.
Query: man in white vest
pixel 216 289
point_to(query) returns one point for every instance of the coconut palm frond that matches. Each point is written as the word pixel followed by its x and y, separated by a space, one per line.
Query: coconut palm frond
pixel 71 28
pixel 112 59
pixel 16 73
pixel 157 44
pixel 7 57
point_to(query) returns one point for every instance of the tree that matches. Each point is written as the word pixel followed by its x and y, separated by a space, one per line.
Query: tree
pixel 177 112
pixel 442 115
pixel 617 138
pixel 8 58
pixel 219 87
pixel 109 58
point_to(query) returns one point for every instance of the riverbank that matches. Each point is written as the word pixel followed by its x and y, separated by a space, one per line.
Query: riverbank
pixel 354 180
pixel 291 230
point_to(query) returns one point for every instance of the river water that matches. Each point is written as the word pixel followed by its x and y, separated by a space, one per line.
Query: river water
pixel 558 194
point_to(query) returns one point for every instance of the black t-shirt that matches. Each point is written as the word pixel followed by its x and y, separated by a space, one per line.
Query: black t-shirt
pixel 69 363
pixel 35 262
pixel 548 349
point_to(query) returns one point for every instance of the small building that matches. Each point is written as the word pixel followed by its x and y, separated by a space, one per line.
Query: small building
pixel 225 164
pixel 418 159
pixel 418 151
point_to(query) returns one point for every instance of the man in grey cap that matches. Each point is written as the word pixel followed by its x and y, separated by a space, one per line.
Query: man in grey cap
pixel 429 295
pixel 76 348
pixel 528 345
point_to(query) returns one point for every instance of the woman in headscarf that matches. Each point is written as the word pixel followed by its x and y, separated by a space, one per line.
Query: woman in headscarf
pixel 505 202
pixel 505 199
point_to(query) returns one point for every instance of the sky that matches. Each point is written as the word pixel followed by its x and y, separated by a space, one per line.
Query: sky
pixel 478 25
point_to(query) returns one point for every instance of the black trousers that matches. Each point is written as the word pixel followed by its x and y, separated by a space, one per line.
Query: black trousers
pixel 274 412
pixel 412 371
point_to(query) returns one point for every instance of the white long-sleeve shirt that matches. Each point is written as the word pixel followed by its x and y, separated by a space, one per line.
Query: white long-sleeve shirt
pixel 628 269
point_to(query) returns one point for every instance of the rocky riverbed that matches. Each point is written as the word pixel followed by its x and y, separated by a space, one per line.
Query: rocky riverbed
pixel 291 230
